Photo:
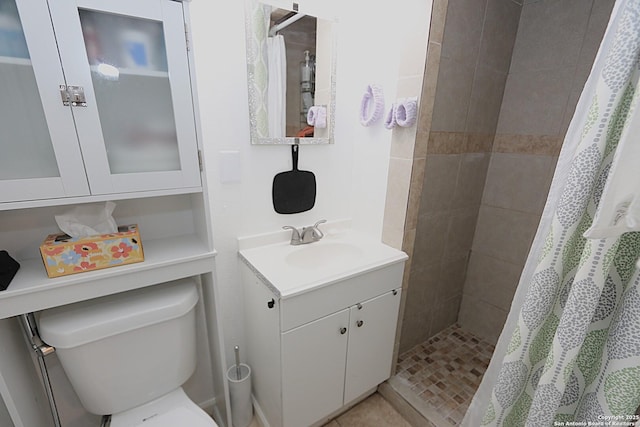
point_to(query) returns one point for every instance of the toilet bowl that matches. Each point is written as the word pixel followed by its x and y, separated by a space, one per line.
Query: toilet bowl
pixel 127 355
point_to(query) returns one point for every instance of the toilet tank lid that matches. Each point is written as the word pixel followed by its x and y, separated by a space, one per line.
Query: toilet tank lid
pixel 83 322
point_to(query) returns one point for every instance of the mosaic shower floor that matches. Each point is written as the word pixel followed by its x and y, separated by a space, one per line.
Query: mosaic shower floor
pixel 440 376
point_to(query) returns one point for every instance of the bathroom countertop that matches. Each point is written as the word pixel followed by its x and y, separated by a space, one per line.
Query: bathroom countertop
pixel 290 270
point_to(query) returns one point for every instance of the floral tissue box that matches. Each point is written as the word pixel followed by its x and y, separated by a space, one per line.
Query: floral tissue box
pixel 63 255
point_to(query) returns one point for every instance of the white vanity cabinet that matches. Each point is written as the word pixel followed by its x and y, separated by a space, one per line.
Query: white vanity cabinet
pixel 314 353
pixel 128 123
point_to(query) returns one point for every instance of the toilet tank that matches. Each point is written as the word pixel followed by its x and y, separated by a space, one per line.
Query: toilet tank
pixel 126 349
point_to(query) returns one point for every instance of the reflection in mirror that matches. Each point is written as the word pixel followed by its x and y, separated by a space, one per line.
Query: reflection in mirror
pixel 291 71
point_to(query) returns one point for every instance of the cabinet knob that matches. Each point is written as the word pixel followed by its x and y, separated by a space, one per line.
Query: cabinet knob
pixel 359 323
pixel 271 303
pixel 395 292
pixel 343 330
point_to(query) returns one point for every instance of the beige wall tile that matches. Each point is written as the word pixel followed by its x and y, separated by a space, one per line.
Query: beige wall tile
pixel 462 225
pixel 398 182
pixel 491 280
pixel 482 319
pixel 518 182
pixel 431 237
pixel 598 20
pixel 427 99
pixel 463 30
pixel 550 35
pixel 415 330
pixel 543 145
pixel 471 180
pixel 445 315
pixel 479 142
pixel 486 100
pixel 447 143
pixel 403 141
pixel 534 102
pixel 438 19
pixel 453 93
pixel 505 234
pixel 423 286
pixel 499 34
pixel 415 192
pixel 451 281
pixel 440 175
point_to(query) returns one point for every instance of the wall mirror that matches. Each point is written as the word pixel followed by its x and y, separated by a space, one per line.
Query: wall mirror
pixel 291 68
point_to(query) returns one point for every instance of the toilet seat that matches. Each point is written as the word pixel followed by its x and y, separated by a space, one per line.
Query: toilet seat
pixel 172 409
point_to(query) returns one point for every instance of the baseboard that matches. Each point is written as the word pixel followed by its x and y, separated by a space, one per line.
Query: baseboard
pixel 258 414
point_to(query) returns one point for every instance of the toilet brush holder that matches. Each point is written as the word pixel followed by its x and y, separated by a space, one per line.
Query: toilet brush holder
pixel 240 393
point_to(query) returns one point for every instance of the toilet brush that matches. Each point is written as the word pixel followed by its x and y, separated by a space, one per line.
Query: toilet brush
pixel 238 371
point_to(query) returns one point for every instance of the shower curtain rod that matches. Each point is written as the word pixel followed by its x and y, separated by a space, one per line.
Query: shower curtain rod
pixel 274 30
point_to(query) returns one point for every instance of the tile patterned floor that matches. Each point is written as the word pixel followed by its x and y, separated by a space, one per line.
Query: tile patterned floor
pixel 374 411
pixel 444 373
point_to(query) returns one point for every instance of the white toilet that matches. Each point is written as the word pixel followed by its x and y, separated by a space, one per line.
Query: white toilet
pixel 128 354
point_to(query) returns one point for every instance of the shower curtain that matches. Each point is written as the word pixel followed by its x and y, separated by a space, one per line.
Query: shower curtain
pixel 570 349
pixel 269 75
pixel 277 92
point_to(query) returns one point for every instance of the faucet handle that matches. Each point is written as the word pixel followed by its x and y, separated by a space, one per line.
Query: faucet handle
pixel 319 232
pixel 295 235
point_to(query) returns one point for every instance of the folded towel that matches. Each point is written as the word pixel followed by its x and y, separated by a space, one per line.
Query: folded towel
pixel 372 105
pixel 317 116
pixel 406 112
pixel 390 120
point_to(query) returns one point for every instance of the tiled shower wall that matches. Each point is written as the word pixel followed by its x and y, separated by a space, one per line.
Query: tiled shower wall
pixel 471 60
pixel 555 47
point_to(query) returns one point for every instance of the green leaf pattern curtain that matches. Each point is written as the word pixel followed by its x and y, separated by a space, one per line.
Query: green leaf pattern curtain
pixel 574 354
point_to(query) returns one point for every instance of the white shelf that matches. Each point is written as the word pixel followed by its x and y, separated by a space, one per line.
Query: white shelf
pixel 165 260
pixel 15 61
pixel 27 204
pixel 142 72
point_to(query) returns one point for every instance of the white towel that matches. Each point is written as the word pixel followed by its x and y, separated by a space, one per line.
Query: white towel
pixel 317 116
pixel 406 112
pixel 390 119
pixel 619 208
pixel 372 105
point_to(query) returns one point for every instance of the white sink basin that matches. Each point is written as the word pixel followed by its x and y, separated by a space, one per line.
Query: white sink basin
pixel 322 255
pixel 290 270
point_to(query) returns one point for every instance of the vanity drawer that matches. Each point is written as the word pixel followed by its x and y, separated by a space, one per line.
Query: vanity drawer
pixel 300 309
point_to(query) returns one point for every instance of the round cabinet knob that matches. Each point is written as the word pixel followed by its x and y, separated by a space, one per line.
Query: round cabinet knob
pixel 343 330
pixel 359 323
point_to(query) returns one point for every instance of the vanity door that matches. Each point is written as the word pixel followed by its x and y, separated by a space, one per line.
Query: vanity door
pixel 39 152
pixel 129 59
pixel 313 367
pixel 371 339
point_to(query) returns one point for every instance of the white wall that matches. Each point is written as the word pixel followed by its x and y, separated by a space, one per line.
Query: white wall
pixel 351 174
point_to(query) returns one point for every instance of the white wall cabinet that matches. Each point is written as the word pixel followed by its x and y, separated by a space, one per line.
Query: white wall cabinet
pixel 135 132
pixel 135 142
pixel 304 373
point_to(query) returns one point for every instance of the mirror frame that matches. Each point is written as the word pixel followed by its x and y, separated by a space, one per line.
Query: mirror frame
pixel 252 58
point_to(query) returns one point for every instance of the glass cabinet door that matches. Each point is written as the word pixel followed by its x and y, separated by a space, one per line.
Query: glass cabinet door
pixel 40 153
pixel 137 130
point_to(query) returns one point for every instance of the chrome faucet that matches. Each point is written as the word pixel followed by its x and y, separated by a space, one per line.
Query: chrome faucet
pixel 306 235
